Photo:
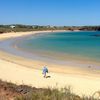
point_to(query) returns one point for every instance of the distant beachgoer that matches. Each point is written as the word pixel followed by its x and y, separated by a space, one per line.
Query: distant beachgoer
pixel 45 71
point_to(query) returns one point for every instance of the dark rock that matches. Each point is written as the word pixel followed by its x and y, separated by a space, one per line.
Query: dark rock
pixel 96 35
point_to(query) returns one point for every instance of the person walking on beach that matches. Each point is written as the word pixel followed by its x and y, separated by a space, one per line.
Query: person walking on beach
pixel 45 71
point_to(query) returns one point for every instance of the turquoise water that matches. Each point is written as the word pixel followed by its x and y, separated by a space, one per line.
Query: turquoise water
pixel 65 44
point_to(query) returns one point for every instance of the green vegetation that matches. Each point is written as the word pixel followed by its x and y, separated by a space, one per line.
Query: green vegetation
pixel 53 94
pixel 9 91
pixel 24 28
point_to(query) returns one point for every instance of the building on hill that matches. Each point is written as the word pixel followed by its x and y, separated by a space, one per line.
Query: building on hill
pixel 12 26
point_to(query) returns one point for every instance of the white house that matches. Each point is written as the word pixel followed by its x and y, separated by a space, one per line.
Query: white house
pixel 12 26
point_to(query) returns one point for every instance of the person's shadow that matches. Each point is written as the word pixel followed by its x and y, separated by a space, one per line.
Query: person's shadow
pixel 48 76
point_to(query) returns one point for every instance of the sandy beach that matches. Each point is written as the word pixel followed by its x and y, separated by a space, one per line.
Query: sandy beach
pixel 20 70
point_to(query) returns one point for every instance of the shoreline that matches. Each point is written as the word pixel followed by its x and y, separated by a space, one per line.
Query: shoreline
pixel 57 72
pixel 70 60
pixel 66 59
pixel 19 53
pixel 80 67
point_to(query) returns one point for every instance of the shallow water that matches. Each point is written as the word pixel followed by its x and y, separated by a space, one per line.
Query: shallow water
pixel 64 45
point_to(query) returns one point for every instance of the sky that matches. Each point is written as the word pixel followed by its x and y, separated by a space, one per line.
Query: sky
pixel 50 12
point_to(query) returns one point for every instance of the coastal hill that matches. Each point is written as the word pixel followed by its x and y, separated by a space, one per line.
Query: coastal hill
pixel 24 28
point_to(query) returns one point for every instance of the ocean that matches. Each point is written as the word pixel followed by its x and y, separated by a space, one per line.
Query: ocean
pixel 76 46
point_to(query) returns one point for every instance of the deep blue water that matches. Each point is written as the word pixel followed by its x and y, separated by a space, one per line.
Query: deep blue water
pixel 76 44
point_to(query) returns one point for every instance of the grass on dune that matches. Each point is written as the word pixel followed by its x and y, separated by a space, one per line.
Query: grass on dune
pixel 54 94
pixel 10 91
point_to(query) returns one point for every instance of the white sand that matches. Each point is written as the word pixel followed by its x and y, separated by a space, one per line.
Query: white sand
pixel 18 34
pixel 80 84
pixel 21 75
